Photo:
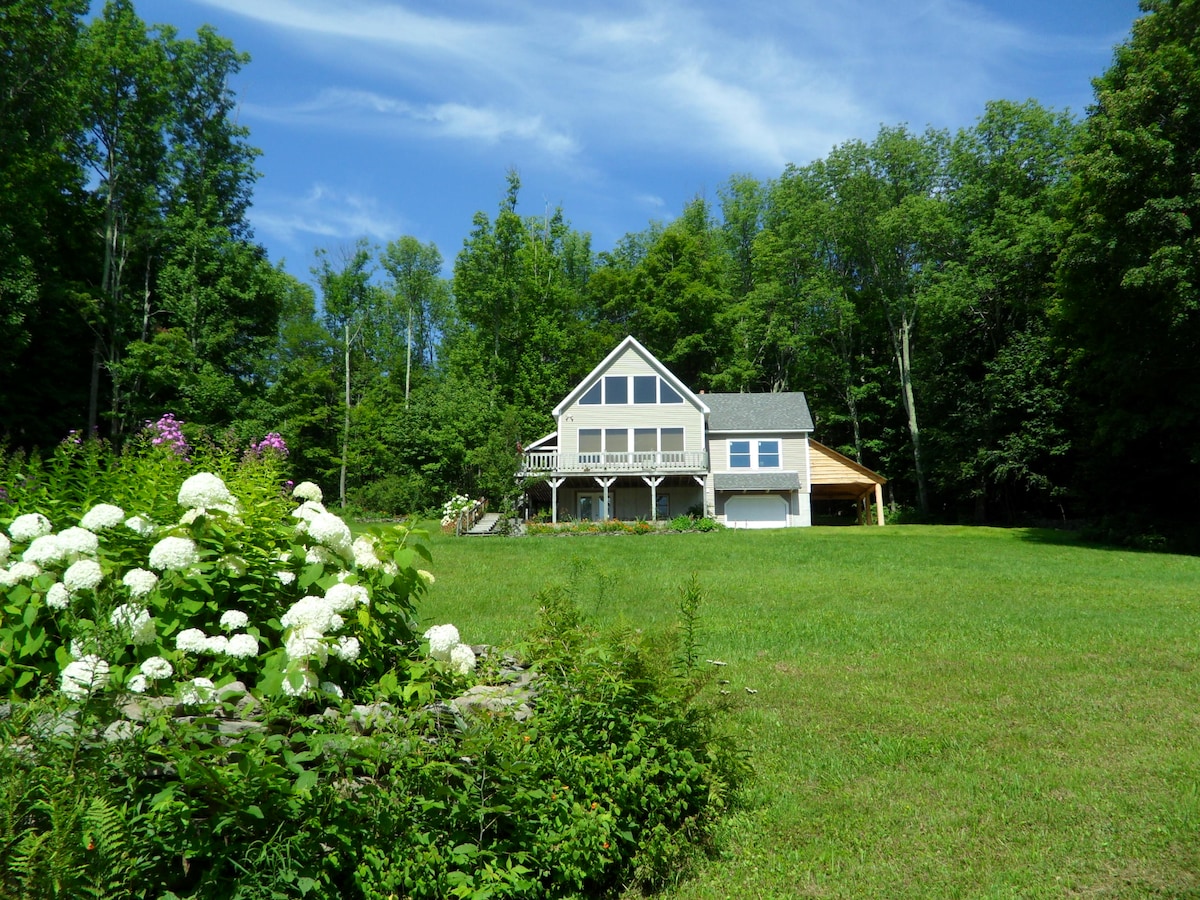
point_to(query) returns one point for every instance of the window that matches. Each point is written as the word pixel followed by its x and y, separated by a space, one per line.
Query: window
pixel 589 440
pixel 645 388
pixel 762 454
pixel 671 440
pixel 645 440
pixel 616 440
pixel 662 509
pixel 616 390
pixel 768 454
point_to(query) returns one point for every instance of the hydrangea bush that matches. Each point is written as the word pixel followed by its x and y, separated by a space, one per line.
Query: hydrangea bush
pixel 269 591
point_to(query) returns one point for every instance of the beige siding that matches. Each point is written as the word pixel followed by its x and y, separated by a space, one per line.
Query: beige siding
pixel 794 451
pixel 667 415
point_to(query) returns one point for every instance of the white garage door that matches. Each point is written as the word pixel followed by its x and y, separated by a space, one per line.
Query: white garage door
pixel 756 511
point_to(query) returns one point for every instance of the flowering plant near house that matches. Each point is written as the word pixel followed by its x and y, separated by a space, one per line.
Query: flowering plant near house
pixel 271 592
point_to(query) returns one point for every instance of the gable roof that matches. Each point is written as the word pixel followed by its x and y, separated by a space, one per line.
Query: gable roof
pixel 759 412
pixel 630 343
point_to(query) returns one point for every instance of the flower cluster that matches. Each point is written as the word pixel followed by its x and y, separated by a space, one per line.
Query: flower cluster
pixel 272 443
pixel 445 646
pixel 179 607
pixel 454 507
pixel 168 432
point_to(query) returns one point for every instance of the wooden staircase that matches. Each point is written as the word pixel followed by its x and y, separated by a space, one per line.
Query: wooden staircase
pixel 486 524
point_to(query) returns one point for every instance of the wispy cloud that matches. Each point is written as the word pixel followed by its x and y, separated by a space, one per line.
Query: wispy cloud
pixel 326 214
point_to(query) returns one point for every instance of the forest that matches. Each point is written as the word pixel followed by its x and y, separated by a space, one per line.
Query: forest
pixel 1004 321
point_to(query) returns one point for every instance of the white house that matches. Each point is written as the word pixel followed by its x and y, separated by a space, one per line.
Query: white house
pixel 634 442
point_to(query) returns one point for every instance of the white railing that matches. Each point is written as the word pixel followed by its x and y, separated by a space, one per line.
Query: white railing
pixel 660 461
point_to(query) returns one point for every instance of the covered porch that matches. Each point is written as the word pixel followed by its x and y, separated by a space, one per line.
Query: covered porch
pixel 647 496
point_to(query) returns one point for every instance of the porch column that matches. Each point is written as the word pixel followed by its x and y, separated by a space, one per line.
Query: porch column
pixel 606 483
pixel 879 502
pixel 654 482
pixel 555 484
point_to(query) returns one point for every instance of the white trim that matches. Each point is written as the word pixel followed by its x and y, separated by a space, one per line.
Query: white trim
pixel 753 453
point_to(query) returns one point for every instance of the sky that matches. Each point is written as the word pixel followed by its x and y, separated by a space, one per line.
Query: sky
pixel 381 118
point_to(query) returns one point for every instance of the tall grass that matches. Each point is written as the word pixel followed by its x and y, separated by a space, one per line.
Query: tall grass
pixel 932 712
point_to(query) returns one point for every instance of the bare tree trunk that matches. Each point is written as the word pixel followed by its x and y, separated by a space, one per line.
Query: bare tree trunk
pixel 901 343
pixel 345 424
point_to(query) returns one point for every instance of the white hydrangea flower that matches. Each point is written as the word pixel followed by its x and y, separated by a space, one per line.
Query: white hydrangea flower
pixel 6 578
pixel 156 667
pixel 286 578
pixel 427 577
pixel 233 564
pixel 306 490
pixel 78 543
pixel 102 516
pixel 330 688
pixel 298 681
pixel 328 529
pixel 204 490
pixel 365 556
pixel 322 555
pixel 174 554
pixel 343 597
pixel 308 510
pixel 136 621
pixel 29 526
pixel 23 571
pixel 191 640
pixel 5 548
pixel 140 582
pixel 310 612
pixel 233 619
pixel 216 645
pixel 306 643
pixel 442 639
pixel 58 597
pixel 346 649
pixel 198 690
pixel 45 551
pixel 242 646
pixel 84 575
pixel 84 676
pixel 462 658
pixel 139 525
pixel 138 684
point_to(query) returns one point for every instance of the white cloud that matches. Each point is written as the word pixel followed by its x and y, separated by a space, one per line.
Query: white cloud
pixel 326 213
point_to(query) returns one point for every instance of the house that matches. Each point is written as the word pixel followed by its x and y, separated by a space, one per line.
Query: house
pixel 634 442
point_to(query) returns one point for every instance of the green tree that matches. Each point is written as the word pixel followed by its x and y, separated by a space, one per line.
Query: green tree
pixel 1130 272
pixel 420 300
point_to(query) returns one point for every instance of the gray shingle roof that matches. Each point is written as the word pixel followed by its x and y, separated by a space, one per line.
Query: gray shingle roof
pixel 758 412
pixel 756 481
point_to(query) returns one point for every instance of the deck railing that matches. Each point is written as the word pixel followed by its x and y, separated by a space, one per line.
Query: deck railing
pixel 659 461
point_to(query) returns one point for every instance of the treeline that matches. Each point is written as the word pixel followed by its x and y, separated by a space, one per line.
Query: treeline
pixel 1004 321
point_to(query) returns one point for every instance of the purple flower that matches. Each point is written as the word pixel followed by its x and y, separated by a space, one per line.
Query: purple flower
pixel 168 431
pixel 273 443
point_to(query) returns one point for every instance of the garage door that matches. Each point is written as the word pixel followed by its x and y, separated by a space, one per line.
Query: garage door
pixel 756 511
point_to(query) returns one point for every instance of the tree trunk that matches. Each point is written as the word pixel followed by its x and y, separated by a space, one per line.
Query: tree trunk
pixel 901 342
pixel 345 424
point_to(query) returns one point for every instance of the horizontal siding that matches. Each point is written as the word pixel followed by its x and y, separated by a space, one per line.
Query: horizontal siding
pixel 828 470
pixel 679 415
pixel 793 451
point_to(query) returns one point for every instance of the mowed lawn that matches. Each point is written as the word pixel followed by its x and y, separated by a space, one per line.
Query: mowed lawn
pixel 931 712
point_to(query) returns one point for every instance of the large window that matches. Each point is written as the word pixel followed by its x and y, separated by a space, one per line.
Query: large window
pixel 594 441
pixel 619 390
pixel 760 454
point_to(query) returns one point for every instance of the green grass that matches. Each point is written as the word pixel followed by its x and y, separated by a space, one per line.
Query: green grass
pixel 939 712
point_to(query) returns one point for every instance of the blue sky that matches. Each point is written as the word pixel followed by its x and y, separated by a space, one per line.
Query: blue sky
pixel 380 118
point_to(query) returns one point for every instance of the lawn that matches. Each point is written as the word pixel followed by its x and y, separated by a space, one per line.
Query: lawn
pixel 931 712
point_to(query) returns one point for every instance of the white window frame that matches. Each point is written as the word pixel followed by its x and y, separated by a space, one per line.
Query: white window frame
pixel 660 384
pixel 755 451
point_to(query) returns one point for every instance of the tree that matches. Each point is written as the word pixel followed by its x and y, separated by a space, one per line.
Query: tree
pixel 419 296
pixel 1130 272
pixel 350 302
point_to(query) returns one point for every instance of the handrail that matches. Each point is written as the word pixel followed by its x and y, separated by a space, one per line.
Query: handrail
pixel 656 461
